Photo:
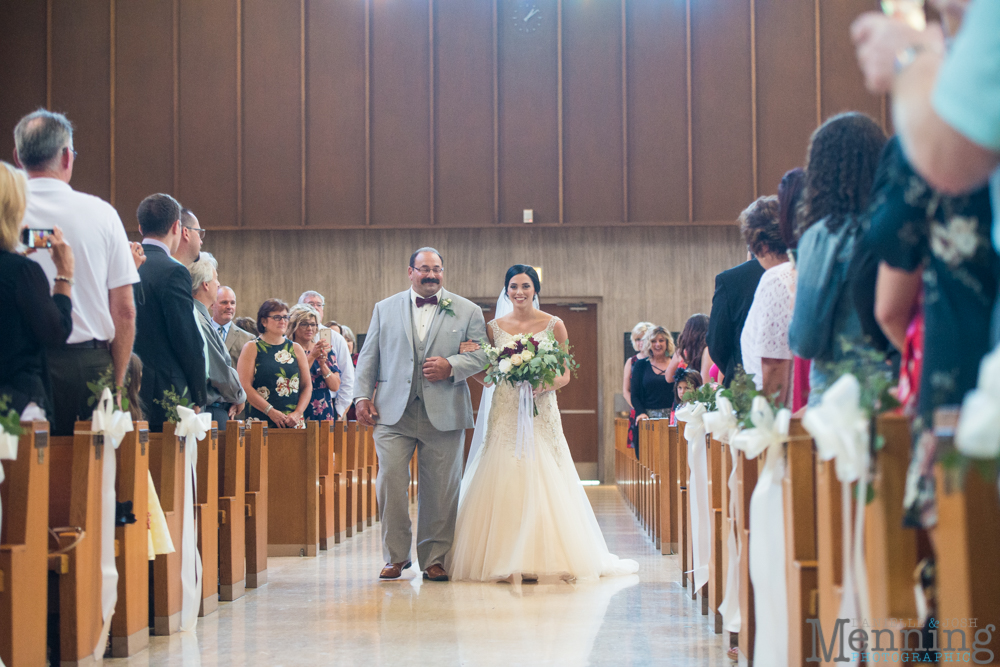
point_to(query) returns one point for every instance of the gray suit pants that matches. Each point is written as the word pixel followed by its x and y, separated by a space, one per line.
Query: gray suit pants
pixel 439 454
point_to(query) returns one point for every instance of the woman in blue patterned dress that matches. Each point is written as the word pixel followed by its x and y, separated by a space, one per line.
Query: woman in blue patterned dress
pixel 323 369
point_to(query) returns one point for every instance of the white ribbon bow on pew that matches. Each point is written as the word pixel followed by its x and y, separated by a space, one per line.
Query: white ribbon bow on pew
pixel 841 430
pixel 767 530
pixel 192 427
pixel 723 425
pixel 694 433
pixel 978 434
pixel 113 424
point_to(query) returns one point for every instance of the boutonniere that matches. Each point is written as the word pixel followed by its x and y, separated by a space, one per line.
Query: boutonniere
pixel 445 305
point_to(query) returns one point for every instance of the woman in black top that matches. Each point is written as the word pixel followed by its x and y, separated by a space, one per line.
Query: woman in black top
pixel 652 395
pixel 38 319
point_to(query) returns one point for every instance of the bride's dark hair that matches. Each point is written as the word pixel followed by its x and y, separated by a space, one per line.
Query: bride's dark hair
pixel 517 270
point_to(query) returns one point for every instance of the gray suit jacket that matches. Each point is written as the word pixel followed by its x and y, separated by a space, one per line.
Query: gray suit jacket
pixel 235 340
pixel 387 358
pixel 223 381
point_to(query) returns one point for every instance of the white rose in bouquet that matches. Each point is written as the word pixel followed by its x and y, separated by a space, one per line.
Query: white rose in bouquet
pixel 517 360
pixel 504 365
pixel 527 356
pixel 546 345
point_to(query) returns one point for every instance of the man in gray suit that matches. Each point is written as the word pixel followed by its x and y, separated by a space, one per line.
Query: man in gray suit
pixel 223 312
pixel 226 397
pixel 422 402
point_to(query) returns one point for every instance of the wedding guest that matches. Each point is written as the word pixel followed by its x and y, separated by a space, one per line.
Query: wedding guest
pixel 192 236
pixel 692 350
pixel 224 322
pixel 684 381
pixel 789 196
pixel 652 395
pixel 168 339
pixel 734 290
pixel 343 398
pixel 274 371
pixel 324 373
pixel 766 355
pixel 842 157
pixel 247 324
pixel 133 382
pixel 333 324
pixel 352 342
pixel 226 396
pixel 940 245
pixel 37 319
pixel 103 303
pixel 637 337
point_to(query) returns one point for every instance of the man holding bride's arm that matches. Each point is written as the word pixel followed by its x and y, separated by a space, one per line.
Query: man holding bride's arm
pixel 412 354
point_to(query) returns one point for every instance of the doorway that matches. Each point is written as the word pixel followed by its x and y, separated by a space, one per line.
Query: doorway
pixel 579 401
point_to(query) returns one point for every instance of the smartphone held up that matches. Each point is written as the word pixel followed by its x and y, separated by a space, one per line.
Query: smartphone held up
pixel 36 238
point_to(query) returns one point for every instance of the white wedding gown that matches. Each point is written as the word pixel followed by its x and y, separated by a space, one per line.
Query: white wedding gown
pixel 527 516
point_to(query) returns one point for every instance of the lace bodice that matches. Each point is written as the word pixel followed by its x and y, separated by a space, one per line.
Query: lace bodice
pixel 502 425
pixel 765 333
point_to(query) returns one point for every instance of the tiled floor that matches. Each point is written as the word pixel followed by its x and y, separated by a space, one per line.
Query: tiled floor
pixel 333 610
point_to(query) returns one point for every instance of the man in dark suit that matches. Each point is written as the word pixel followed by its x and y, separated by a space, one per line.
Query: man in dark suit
pixel 167 339
pixel 734 290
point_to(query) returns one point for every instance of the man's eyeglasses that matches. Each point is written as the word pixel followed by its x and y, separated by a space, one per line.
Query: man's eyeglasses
pixel 280 318
pixel 201 232
pixel 424 271
pixel 72 151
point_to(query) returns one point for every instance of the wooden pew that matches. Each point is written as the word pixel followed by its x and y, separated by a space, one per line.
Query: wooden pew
pixel 166 465
pixel 362 467
pixel 24 549
pixel 349 435
pixel 890 549
pixel 256 505
pixel 232 512
pixel 746 476
pixel 621 446
pixel 340 483
pixel 206 511
pixel 799 494
pixel 75 500
pixel 967 543
pixel 130 624
pixel 327 501
pixel 718 534
pixel 656 480
pixel 293 491
pixel 681 508
pixel 669 497
pixel 641 472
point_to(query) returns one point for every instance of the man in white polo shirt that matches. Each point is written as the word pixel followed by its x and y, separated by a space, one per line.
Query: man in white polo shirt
pixel 103 306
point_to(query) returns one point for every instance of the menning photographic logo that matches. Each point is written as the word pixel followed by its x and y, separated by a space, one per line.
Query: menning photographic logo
pixel 868 642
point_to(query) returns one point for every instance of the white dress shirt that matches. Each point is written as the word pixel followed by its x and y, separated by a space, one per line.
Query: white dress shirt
pixel 424 315
pixel 100 247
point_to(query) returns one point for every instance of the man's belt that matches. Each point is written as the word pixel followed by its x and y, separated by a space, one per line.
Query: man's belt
pixel 93 344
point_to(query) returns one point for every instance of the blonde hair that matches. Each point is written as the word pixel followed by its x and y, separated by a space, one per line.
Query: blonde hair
pixel 13 202
pixel 652 333
pixel 639 331
pixel 348 334
pixel 298 315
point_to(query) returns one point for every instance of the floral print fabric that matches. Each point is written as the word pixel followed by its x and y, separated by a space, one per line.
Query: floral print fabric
pixel 321 407
pixel 276 378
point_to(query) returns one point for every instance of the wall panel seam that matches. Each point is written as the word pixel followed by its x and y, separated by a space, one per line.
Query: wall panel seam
pixel 496 114
pixel 753 96
pixel 819 70
pixel 690 105
pixel 624 113
pixel 239 113
pixel 431 123
pixel 111 104
pixel 177 94
pixel 302 106
pixel 368 112
pixel 48 54
pixel 559 109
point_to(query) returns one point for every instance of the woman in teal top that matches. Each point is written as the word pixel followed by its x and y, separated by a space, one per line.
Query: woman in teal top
pixel 273 370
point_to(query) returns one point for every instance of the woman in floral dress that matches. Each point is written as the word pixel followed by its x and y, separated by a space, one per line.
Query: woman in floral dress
pixel 274 371
pixel 322 362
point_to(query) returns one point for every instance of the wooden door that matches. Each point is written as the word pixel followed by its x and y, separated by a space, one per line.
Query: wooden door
pixel 578 402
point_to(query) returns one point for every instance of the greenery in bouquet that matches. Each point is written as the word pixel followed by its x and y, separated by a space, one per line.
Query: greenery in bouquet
pixel 171 399
pixel 705 394
pixel 741 392
pixel 106 381
pixel 537 359
pixel 10 420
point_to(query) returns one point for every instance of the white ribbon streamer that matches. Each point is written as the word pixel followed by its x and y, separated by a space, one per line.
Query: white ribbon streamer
pixel 978 434
pixel 113 424
pixel 694 433
pixel 732 620
pixel 192 427
pixel 525 444
pixel 841 431
pixel 767 531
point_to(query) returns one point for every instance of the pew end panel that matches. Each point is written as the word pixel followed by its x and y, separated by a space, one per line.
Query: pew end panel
pixel 293 495
pixel 327 506
pixel 799 495
pixel 339 483
pixel 256 525
pixel 232 512
pixel 166 465
pixel 130 624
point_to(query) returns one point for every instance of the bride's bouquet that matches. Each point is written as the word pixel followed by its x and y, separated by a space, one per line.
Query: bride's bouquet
pixel 537 360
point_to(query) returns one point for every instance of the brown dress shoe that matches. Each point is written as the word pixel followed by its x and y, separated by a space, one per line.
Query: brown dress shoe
pixel 393 570
pixel 435 573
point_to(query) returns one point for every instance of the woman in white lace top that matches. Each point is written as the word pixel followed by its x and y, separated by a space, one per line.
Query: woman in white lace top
pixel 766 354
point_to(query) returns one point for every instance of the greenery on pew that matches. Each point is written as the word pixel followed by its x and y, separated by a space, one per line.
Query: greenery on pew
pixel 9 419
pixel 741 392
pixel 705 394
pixel 106 381
pixel 171 399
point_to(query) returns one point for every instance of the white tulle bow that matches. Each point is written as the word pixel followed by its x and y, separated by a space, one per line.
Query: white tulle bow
pixel 8 447
pixel 769 429
pixel 110 422
pixel 841 428
pixel 692 414
pixel 978 434
pixel 191 424
pixel 722 423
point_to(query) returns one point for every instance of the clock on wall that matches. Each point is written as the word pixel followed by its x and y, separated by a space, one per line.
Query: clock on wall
pixel 527 16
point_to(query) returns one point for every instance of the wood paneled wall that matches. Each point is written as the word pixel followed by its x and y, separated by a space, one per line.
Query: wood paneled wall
pixel 285 114
pixel 661 274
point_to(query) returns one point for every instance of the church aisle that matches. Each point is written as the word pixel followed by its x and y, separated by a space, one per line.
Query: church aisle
pixel 333 610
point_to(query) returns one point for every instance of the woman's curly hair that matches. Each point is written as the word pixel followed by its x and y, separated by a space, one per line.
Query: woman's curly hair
pixel 759 226
pixel 842 158
pixel 691 342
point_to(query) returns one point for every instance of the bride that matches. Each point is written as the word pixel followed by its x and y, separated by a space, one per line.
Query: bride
pixel 525 517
